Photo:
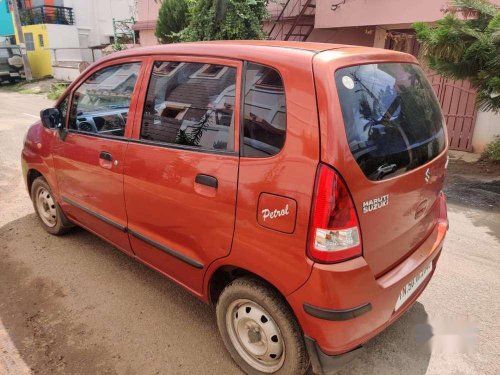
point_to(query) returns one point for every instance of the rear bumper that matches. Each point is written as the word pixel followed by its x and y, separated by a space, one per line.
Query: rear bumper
pixel 343 305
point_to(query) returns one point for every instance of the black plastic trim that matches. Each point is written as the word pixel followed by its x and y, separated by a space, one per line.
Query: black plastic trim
pixel 95 214
pixel 324 364
pixel 104 155
pixel 97 135
pixel 182 147
pixel 167 250
pixel 207 180
pixel 337 315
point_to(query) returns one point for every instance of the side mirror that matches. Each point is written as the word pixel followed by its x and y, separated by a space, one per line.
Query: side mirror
pixel 51 118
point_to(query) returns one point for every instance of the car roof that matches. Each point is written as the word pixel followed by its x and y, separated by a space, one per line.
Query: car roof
pixel 242 49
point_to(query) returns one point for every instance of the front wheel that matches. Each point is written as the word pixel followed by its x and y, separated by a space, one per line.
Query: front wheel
pixel 259 330
pixel 50 214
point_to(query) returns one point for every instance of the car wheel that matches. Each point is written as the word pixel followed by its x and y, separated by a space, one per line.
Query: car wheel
pixel 259 330
pixel 50 214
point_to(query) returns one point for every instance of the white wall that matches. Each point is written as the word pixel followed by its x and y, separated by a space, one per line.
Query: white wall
pixel 486 128
pixel 64 37
pixel 94 18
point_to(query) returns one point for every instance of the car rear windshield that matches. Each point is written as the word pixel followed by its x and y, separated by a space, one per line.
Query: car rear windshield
pixel 391 116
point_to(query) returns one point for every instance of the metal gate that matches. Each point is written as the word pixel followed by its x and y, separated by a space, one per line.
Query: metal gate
pixel 457 100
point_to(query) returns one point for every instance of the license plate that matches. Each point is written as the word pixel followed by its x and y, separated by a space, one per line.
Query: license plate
pixel 412 286
pixel 14 74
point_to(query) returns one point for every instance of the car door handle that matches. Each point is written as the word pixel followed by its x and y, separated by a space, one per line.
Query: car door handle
pixel 205 179
pixel 104 155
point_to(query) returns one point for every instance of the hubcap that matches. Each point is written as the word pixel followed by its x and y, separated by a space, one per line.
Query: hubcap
pixel 255 336
pixel 46 207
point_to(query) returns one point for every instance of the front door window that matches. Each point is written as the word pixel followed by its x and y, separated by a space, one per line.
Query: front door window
pixel 101 104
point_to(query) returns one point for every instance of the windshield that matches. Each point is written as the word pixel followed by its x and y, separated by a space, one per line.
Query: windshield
pixel 391 116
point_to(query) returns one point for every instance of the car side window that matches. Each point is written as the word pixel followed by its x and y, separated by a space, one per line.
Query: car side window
pixel 190 104
pixel 101 104
pixel 264 112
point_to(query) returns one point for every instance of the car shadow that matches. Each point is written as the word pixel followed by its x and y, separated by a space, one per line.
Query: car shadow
pixel 403 348
pixel 74 304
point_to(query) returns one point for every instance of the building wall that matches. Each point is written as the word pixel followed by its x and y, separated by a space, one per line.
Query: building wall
pixel 94 18
pixel 40 61
pixel 380 12
pixel 148 38
pixel 487 127
pixel 361 36
pixel 6 24
pixel 147 14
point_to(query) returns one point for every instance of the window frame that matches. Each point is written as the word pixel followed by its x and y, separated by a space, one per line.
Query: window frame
pixel 242 113
pixel 31 42
pixel 145 82
pixel 133 100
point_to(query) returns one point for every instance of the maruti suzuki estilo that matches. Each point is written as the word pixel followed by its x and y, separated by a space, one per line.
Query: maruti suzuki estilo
pixel 296 186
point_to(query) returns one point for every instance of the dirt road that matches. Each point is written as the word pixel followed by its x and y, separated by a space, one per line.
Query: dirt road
pixel 76 305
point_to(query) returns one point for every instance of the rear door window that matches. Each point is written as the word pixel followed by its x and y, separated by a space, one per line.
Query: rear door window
pixel 392 118
pixel 264 112
pixel 190 105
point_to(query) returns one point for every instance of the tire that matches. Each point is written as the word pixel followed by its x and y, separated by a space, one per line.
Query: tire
pixel 48 211
pixel 259 330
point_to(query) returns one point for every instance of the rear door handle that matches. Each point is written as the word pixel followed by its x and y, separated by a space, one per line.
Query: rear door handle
pixel 104 155
pixel 205 179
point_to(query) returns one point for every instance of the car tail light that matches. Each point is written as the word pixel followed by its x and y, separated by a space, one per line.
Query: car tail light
pixel 335 235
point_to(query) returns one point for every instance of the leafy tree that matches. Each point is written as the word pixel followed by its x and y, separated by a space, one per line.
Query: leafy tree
pixel 465 44
pixel 172 18
pixel 225 20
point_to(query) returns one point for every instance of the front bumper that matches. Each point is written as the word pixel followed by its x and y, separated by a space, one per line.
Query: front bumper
pixel 343 305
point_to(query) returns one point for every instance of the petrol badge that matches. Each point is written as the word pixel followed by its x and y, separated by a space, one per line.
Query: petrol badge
pixel 277 212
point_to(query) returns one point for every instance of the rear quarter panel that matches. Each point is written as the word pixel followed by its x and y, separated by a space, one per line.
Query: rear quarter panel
pixel 279 257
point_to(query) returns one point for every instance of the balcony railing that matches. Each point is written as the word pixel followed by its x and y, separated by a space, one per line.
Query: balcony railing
pixel 47 14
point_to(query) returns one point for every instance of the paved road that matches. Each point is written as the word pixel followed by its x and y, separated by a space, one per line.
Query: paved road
pixel 76 305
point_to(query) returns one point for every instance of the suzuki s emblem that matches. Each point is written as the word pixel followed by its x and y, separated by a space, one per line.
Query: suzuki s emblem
pixel 427 175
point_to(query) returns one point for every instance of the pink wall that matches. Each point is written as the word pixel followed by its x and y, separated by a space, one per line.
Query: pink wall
pixel 360 36
pixel 147 10
pixel 147 14
pixel 378 12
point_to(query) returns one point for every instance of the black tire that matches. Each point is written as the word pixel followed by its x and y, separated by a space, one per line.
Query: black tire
pixel 61 223
pixel 296 359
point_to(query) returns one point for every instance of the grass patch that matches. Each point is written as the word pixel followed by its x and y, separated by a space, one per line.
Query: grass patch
pixel 56 90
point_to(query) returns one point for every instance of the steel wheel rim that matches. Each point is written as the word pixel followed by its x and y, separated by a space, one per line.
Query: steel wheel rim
pixel 46 207
pixel 255 335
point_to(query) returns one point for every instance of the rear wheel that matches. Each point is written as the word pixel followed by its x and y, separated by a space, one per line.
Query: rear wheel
pixel 50 214
pixel 259 330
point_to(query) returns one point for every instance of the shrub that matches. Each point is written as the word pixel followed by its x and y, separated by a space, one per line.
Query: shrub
pixel 225 20
pixel 172 18
pixel 493 149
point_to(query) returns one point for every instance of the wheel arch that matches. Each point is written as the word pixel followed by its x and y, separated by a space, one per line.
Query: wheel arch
pixel 31 176
pixel 225 274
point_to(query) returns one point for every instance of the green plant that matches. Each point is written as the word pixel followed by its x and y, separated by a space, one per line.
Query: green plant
pixel 465 44
pixel 225 20
pixel 56 90
pixel 118 46
pixel 172 18
pixel 492 151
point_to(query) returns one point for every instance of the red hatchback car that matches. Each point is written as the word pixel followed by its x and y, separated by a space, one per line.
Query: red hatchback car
pixel 296 186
